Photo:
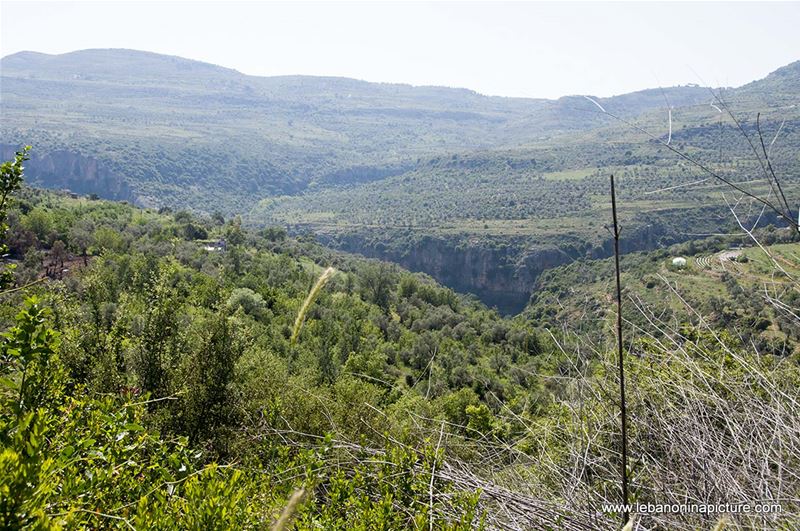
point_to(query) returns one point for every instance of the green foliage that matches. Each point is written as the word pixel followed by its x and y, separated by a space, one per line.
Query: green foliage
pixel 107 239
pixel 29 368
pixel 163 387
pixel 74 461
pixel 376 283
pixel 208 406
pixel 366 499
pixel 161 366
pixel 11 176
pixel 249 301
pixel 77 461
pixel 157 349
pixel 723 282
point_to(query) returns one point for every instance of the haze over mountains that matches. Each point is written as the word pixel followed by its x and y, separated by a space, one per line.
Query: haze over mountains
pixel 482 192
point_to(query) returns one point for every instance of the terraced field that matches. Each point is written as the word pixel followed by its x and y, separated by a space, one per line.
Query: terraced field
pixel 720 261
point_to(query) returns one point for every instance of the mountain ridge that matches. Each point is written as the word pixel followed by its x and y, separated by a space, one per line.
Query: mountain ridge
pixel 131 54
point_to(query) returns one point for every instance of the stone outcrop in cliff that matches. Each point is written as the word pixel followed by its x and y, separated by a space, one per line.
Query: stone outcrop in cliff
pixel 500 273
pixel 68 170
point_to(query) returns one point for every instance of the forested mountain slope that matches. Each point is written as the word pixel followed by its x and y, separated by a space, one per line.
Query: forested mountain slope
pixel 164 370
pixel 483 193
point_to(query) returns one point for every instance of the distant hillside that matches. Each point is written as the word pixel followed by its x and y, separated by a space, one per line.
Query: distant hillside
pixel 779 87
pixel 176 131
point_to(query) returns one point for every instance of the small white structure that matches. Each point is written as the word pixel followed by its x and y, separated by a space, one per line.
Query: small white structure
pixel 215 246
pixel 679 262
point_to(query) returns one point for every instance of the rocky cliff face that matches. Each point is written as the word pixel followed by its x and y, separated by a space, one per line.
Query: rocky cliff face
pixel 501 274
pixel 502 271
pixel 68 170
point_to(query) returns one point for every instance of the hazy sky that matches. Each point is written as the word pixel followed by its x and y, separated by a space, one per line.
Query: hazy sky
pixel 509 49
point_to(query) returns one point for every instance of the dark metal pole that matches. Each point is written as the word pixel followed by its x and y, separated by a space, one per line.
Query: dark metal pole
pixel 622 403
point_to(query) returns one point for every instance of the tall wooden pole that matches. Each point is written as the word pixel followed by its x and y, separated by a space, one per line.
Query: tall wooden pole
pixel 622 403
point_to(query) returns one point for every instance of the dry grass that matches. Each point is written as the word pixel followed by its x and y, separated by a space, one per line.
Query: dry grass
pixel 312 296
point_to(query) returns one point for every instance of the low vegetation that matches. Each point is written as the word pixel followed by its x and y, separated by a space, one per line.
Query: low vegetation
pixel 169 369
